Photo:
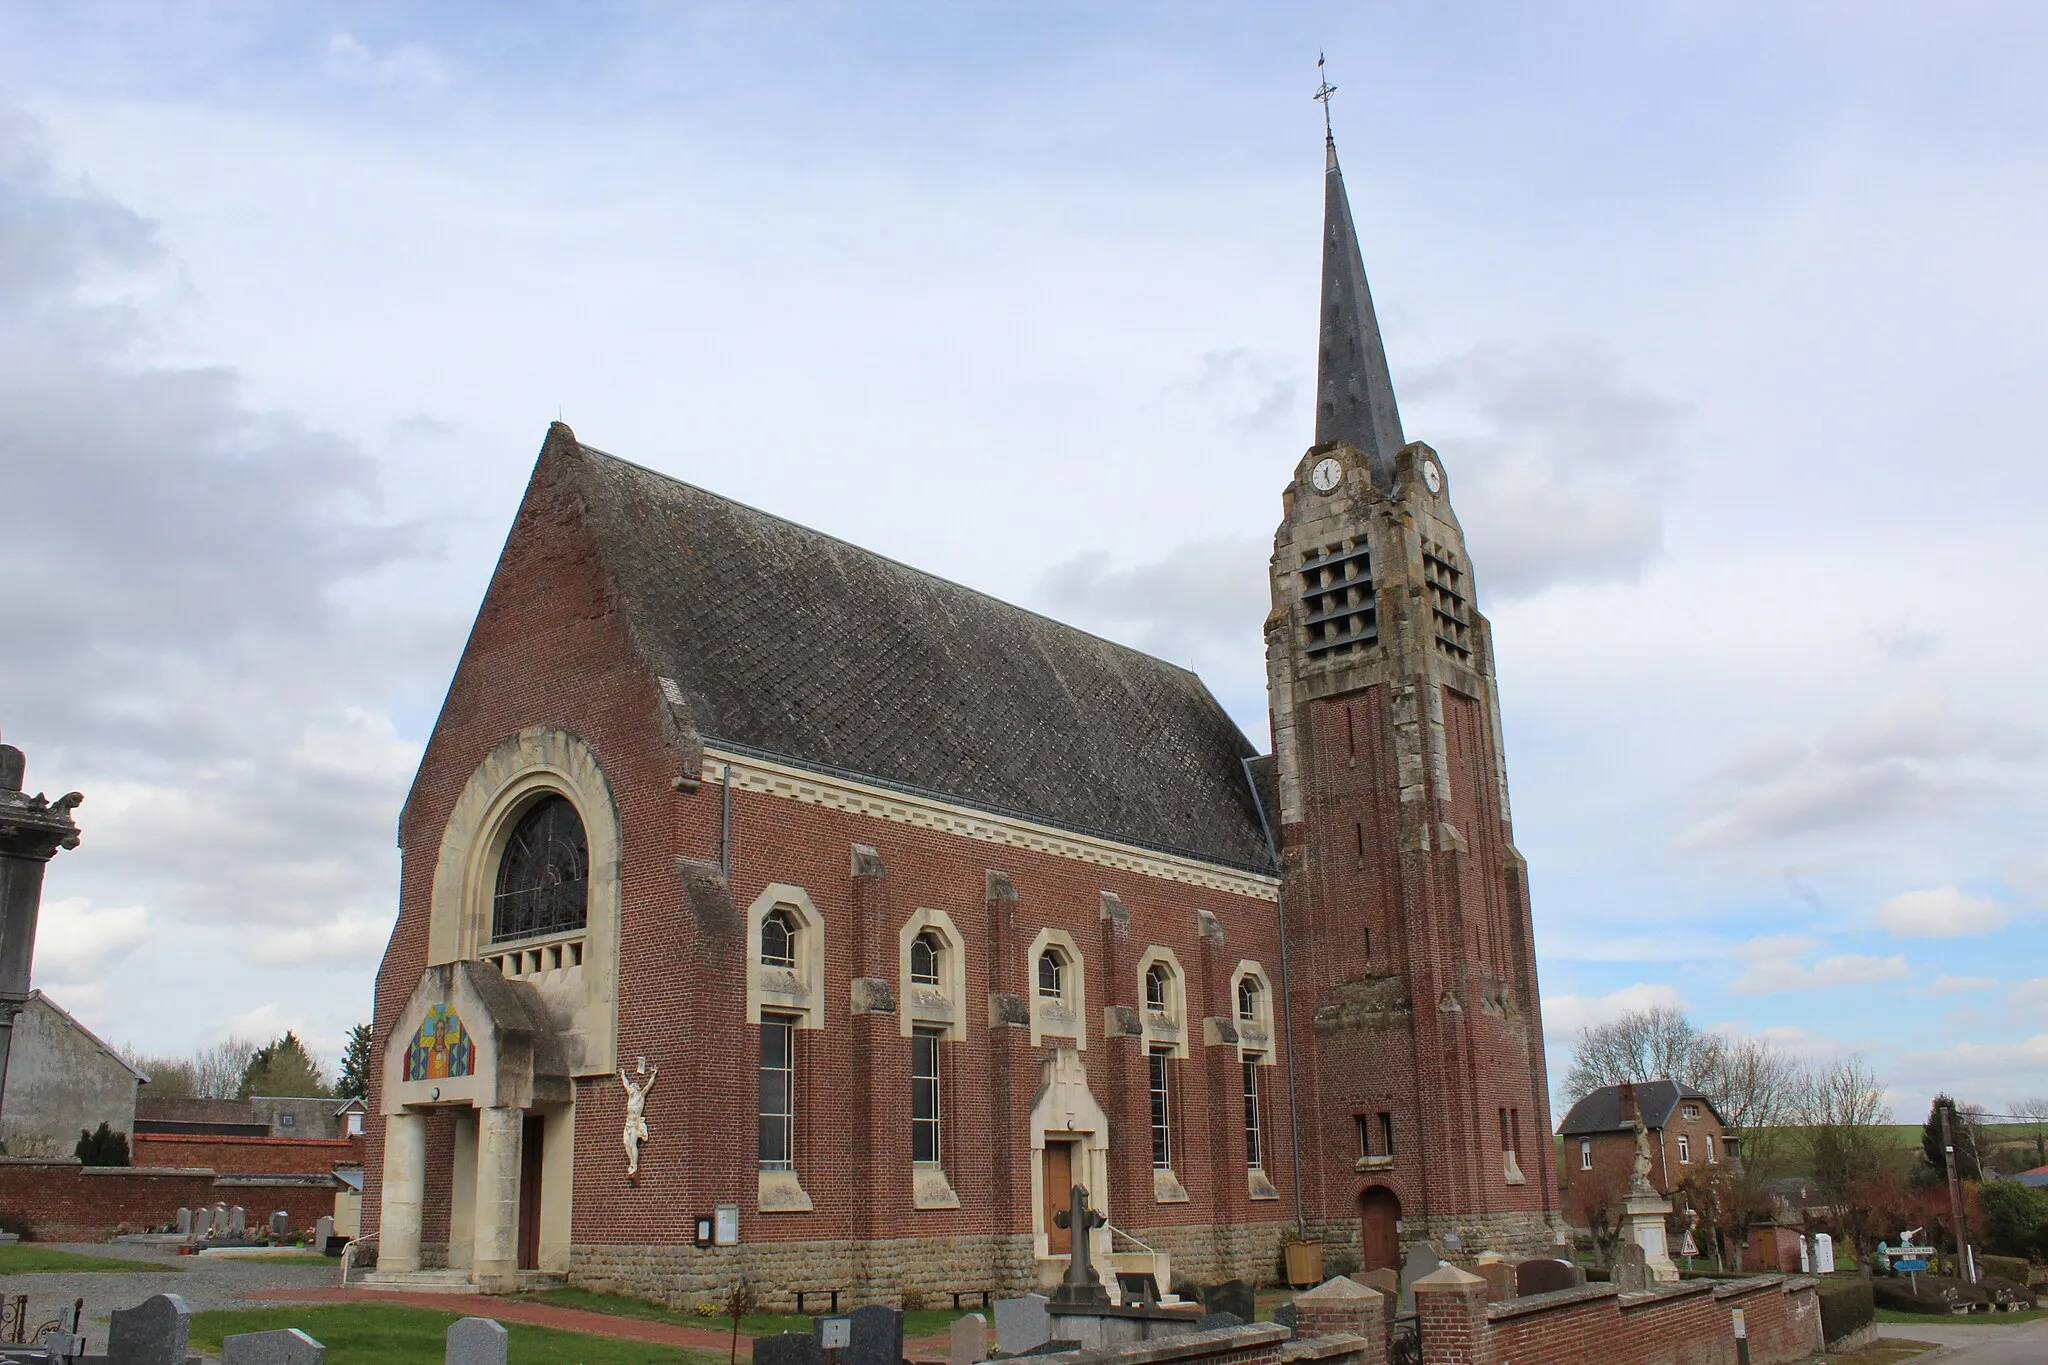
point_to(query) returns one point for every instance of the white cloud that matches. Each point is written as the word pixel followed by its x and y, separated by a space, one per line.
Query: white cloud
pixel 1565 1015
pixel 1775 967
pixel 345 942
pixel 76 941
pixel 1950 985
pixel 2028 996
pixel 1943 912
pixel 351 61
pixel 359 743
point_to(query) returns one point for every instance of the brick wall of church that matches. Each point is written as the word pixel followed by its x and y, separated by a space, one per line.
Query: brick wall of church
pixel 550 648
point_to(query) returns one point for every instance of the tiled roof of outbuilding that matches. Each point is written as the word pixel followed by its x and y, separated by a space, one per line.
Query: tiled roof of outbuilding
pixel 793 644
pixel 1601 1111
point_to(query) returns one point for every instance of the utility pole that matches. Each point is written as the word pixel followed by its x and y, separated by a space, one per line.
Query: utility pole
pixel 1955 1194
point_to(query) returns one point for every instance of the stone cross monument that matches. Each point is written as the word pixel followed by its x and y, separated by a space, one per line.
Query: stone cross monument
pixel 1082 1287
pixel 32 829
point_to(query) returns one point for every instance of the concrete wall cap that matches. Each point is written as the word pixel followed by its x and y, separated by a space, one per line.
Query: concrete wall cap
pixel 1447 1277
pixel 1338 1287
pixel 1556 1298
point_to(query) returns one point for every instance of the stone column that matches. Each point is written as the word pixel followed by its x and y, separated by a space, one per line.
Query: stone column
pixel 405 1193
pixel 32 829
pixel 495 1262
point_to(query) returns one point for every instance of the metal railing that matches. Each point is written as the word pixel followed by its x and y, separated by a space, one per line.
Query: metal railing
pixel 348 1255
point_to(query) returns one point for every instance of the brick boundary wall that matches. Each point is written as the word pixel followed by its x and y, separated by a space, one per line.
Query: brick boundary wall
pixel 1259 1344
pixel 1689 1323
pixel 62 1201
pixel 246 1155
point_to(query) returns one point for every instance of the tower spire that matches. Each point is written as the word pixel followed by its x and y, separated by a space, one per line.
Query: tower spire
pixel 1354 392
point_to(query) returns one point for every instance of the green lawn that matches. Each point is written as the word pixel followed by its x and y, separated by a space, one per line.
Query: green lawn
pixel 1976 1319
pixel 285 1256
pixel 19 1259
pixel 923 1323
pixel 385 1334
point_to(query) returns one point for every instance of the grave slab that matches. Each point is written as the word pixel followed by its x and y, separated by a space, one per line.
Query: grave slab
pixel 1232 1296
pixel 287 1347
pixel 970 1340
pixel 1547 1275
pixel 154 1332
pixel 477 1341
pixel 877 1336
pixel 788 1348
pixel 1022 1324
pixel 1422 1260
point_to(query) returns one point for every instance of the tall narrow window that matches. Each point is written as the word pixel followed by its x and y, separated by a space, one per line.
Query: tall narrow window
pixel 1515 1131
pixel 1248 1000
pixel 1254 1145
pixel 1585 1154
pixel 1159 988
pixel 1364 1126
pixel 926 1102
pixel 544 876
pixel 1162 1107
pixel 778 938
pixel 924 958
pixel 1684 1151
pixel 1386 1134
pixel 1052 971
pixel 1505 1145
pixel 778 1092
pixel 1713 1156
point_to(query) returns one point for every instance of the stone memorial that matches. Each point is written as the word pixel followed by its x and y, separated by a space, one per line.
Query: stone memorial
pixel 1499 1277
pixel 220 1220
pixel 322 1231
pixel 789 1348
pixel 1216 1322
pixel 1631 1270
pixel 1232 1296
pixel 877 1336
pixel 287 1347
pixel 970 1340
pixel 1022 1324
pixel 1422 1260
pixel 238 1221
pixel 1547 1275
pixel 1287 1315
pixel 280 1223
pixel 185 1221
pixel 477 1341
pixel 202 1223
pixel 1388 1282
pixel 154 1332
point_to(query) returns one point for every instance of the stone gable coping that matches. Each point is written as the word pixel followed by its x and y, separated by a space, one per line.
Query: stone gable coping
pixel 1448 1276
pixel 1338 1287
pixel 1541 1303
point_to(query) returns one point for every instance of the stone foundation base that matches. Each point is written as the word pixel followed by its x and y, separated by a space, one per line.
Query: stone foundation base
pixel 1515 1235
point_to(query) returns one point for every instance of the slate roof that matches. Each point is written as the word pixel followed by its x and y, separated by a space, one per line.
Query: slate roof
pixel 1600 1112
pixel 789 643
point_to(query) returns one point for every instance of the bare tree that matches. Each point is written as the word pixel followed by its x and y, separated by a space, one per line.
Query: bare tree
pixel 1756 1088
pixel 2037 1110
pixel 1842 1105
pixel 1651 1044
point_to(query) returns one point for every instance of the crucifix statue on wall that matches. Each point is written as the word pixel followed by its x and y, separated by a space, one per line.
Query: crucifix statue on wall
pixel 636 1113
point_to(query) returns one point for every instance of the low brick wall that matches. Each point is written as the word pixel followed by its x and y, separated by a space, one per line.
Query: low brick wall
pixel 1690 1323
pixel 1262 1344
pixel 246 1155
pixel 62 1201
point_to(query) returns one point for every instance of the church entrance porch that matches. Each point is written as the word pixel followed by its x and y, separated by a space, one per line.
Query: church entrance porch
pixel 1379 1228
pixel 1070 1146
pixel 474 1048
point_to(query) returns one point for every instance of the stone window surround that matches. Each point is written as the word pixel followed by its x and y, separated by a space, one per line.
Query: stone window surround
pixel 522 768
pixel 940 1006
pixel 780 990
pixel 1255 1039
pixel 1173 1030
pixel 1067 1016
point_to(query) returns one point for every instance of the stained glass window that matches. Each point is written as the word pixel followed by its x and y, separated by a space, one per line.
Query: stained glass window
pixel 544 877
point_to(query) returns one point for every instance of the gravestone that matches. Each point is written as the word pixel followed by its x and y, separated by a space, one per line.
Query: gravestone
pixel 1287 1315
pixel 1232 1296
pixel 280 1223
pixel 1422 1260
pixel 288 1347
pixel 1216 1322
pixel 185 1221
pixel 970 1340
pixel 477 1341
pixel 220 1220
pixel 1499 1277
pixel 322 1231
pixel 789 1348
pixel 202 1223
pixel 1631 1268
pixel 1387 1281
pixel 154 1332
pixel 1022 1324
pixel 1547 1275
pixel 877 1336
pixel 238 1221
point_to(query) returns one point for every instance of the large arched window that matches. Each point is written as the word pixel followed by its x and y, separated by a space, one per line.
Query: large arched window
pixel 544 876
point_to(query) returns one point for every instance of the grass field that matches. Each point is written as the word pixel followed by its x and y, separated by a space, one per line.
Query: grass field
pixel 1964 1319
pixel 923 1323
pixel 385 1334
pixel 286 1256
pixel 19 1259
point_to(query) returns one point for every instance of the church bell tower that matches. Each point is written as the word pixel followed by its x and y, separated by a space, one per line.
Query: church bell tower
pixel 1418 1043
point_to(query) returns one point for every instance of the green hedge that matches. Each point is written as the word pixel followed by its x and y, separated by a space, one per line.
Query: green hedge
pixel 2005 1267
pixel 1846 1303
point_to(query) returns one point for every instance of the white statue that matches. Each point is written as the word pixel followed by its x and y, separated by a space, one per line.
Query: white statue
pixel 1639 1176
pixel 636 1116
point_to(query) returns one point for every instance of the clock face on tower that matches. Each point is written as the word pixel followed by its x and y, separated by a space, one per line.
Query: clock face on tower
pixel 1432 476
pixel 1326 475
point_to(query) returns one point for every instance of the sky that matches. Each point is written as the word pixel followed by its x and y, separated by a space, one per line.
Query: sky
pixel 1725 319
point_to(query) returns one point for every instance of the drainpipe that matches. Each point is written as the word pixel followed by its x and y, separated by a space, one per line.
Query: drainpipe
pixel 725 820
pixel 1287 1014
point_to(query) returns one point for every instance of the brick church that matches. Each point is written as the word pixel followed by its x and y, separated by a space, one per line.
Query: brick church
pixel 772 908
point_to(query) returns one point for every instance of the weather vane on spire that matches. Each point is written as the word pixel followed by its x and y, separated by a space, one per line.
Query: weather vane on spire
pixel 1323 94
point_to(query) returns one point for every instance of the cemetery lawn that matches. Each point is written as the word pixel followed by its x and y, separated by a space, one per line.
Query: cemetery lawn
pixel 1893 1315
pixel 19 1259
pixel 925 1322
pixel 388 1334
